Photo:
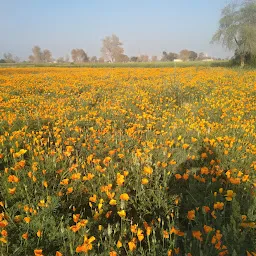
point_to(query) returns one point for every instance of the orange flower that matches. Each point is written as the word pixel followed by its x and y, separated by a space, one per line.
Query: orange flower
pixel 13 179
pixel 38 252
pixel 58 253
pixel 132 244
pixel 12 191
pixel 178 176
pixel 124 197
pixel 218 205
pixel 113 253
pixel 4 232
pixel 165 234
pixel 207 229
pixel 197 234
pixel 191 215
pixel 25 236
pixel 87 245
pixel 39 233
pixel 93 198
pixel 206 209
pixel 27 219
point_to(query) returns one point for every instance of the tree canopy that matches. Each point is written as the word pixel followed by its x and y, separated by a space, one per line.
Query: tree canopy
pixel 237 29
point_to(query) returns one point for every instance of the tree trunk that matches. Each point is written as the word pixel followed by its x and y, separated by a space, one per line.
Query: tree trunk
pixel 242 60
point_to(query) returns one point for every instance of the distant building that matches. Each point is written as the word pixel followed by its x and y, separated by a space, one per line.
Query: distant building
pixel 208 60
pixel 178 60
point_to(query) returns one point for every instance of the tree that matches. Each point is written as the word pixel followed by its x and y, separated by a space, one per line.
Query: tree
pixel 134 59
pixel 237 29
pixel 122 58
pixel 79 56
pixel 37 55
pixel 154 59
pixel 143 58
pixel 8 58
pixel 111 48
pixel 60 60
pixel 184 54
pixel 94 59
pixel 46 56
pixel 201 56
pixel 192 55
pixel 171 56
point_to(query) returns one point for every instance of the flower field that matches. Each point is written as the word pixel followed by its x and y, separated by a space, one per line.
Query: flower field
pixel 127 161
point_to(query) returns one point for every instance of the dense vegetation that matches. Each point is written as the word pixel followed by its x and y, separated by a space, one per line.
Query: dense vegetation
pixel 127 161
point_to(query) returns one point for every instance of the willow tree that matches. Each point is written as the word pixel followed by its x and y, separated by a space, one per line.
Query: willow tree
pixel 237 29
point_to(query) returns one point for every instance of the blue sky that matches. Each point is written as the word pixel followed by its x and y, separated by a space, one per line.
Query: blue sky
pixel 144 26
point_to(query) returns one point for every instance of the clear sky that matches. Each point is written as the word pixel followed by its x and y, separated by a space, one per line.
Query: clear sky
pixel 144 26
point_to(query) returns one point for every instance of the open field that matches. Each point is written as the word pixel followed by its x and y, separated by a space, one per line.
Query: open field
pixel 127 161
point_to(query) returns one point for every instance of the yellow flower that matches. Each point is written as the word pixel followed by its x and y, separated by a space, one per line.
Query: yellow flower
pixel 124 197
pixel 230 194
pixel 144 181
pixel 119 244
pixel 112 202
pixel 147 170
pixel 122 213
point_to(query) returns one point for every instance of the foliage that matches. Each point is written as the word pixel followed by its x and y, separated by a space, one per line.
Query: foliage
pixel 237 29
pixel 79 56
pixel 112 48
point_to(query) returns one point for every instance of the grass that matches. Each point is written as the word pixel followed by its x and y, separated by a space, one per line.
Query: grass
pixel 128 64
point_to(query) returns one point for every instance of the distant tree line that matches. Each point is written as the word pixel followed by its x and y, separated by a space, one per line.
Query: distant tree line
pixel 112 51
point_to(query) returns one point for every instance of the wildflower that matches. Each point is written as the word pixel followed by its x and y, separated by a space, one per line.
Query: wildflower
pixel 113 253
pixel 140 235
pixel 122 213
pixel 124 197
pixel 3 240
pixel 13 179
pixel 207 229
pixel 119 244
pixel 58 254
pixel 185 146
pixel 218 206
pixel 27 219
pixel 38 252
pixel 144 181
pixel 12 190
pixel 39 233
pixel 4 232
pixel 191 215
pixel 112 202
pixel 197 234
pixel 25 236
pixel 87 245
pixel 132 244
pixel 120 179
pixel 147 170
pixel 178 176
pixel 165 234
pixel 93 198
pixel 230 194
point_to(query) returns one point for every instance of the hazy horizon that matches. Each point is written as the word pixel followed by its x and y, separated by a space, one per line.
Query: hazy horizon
pixel 147 27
